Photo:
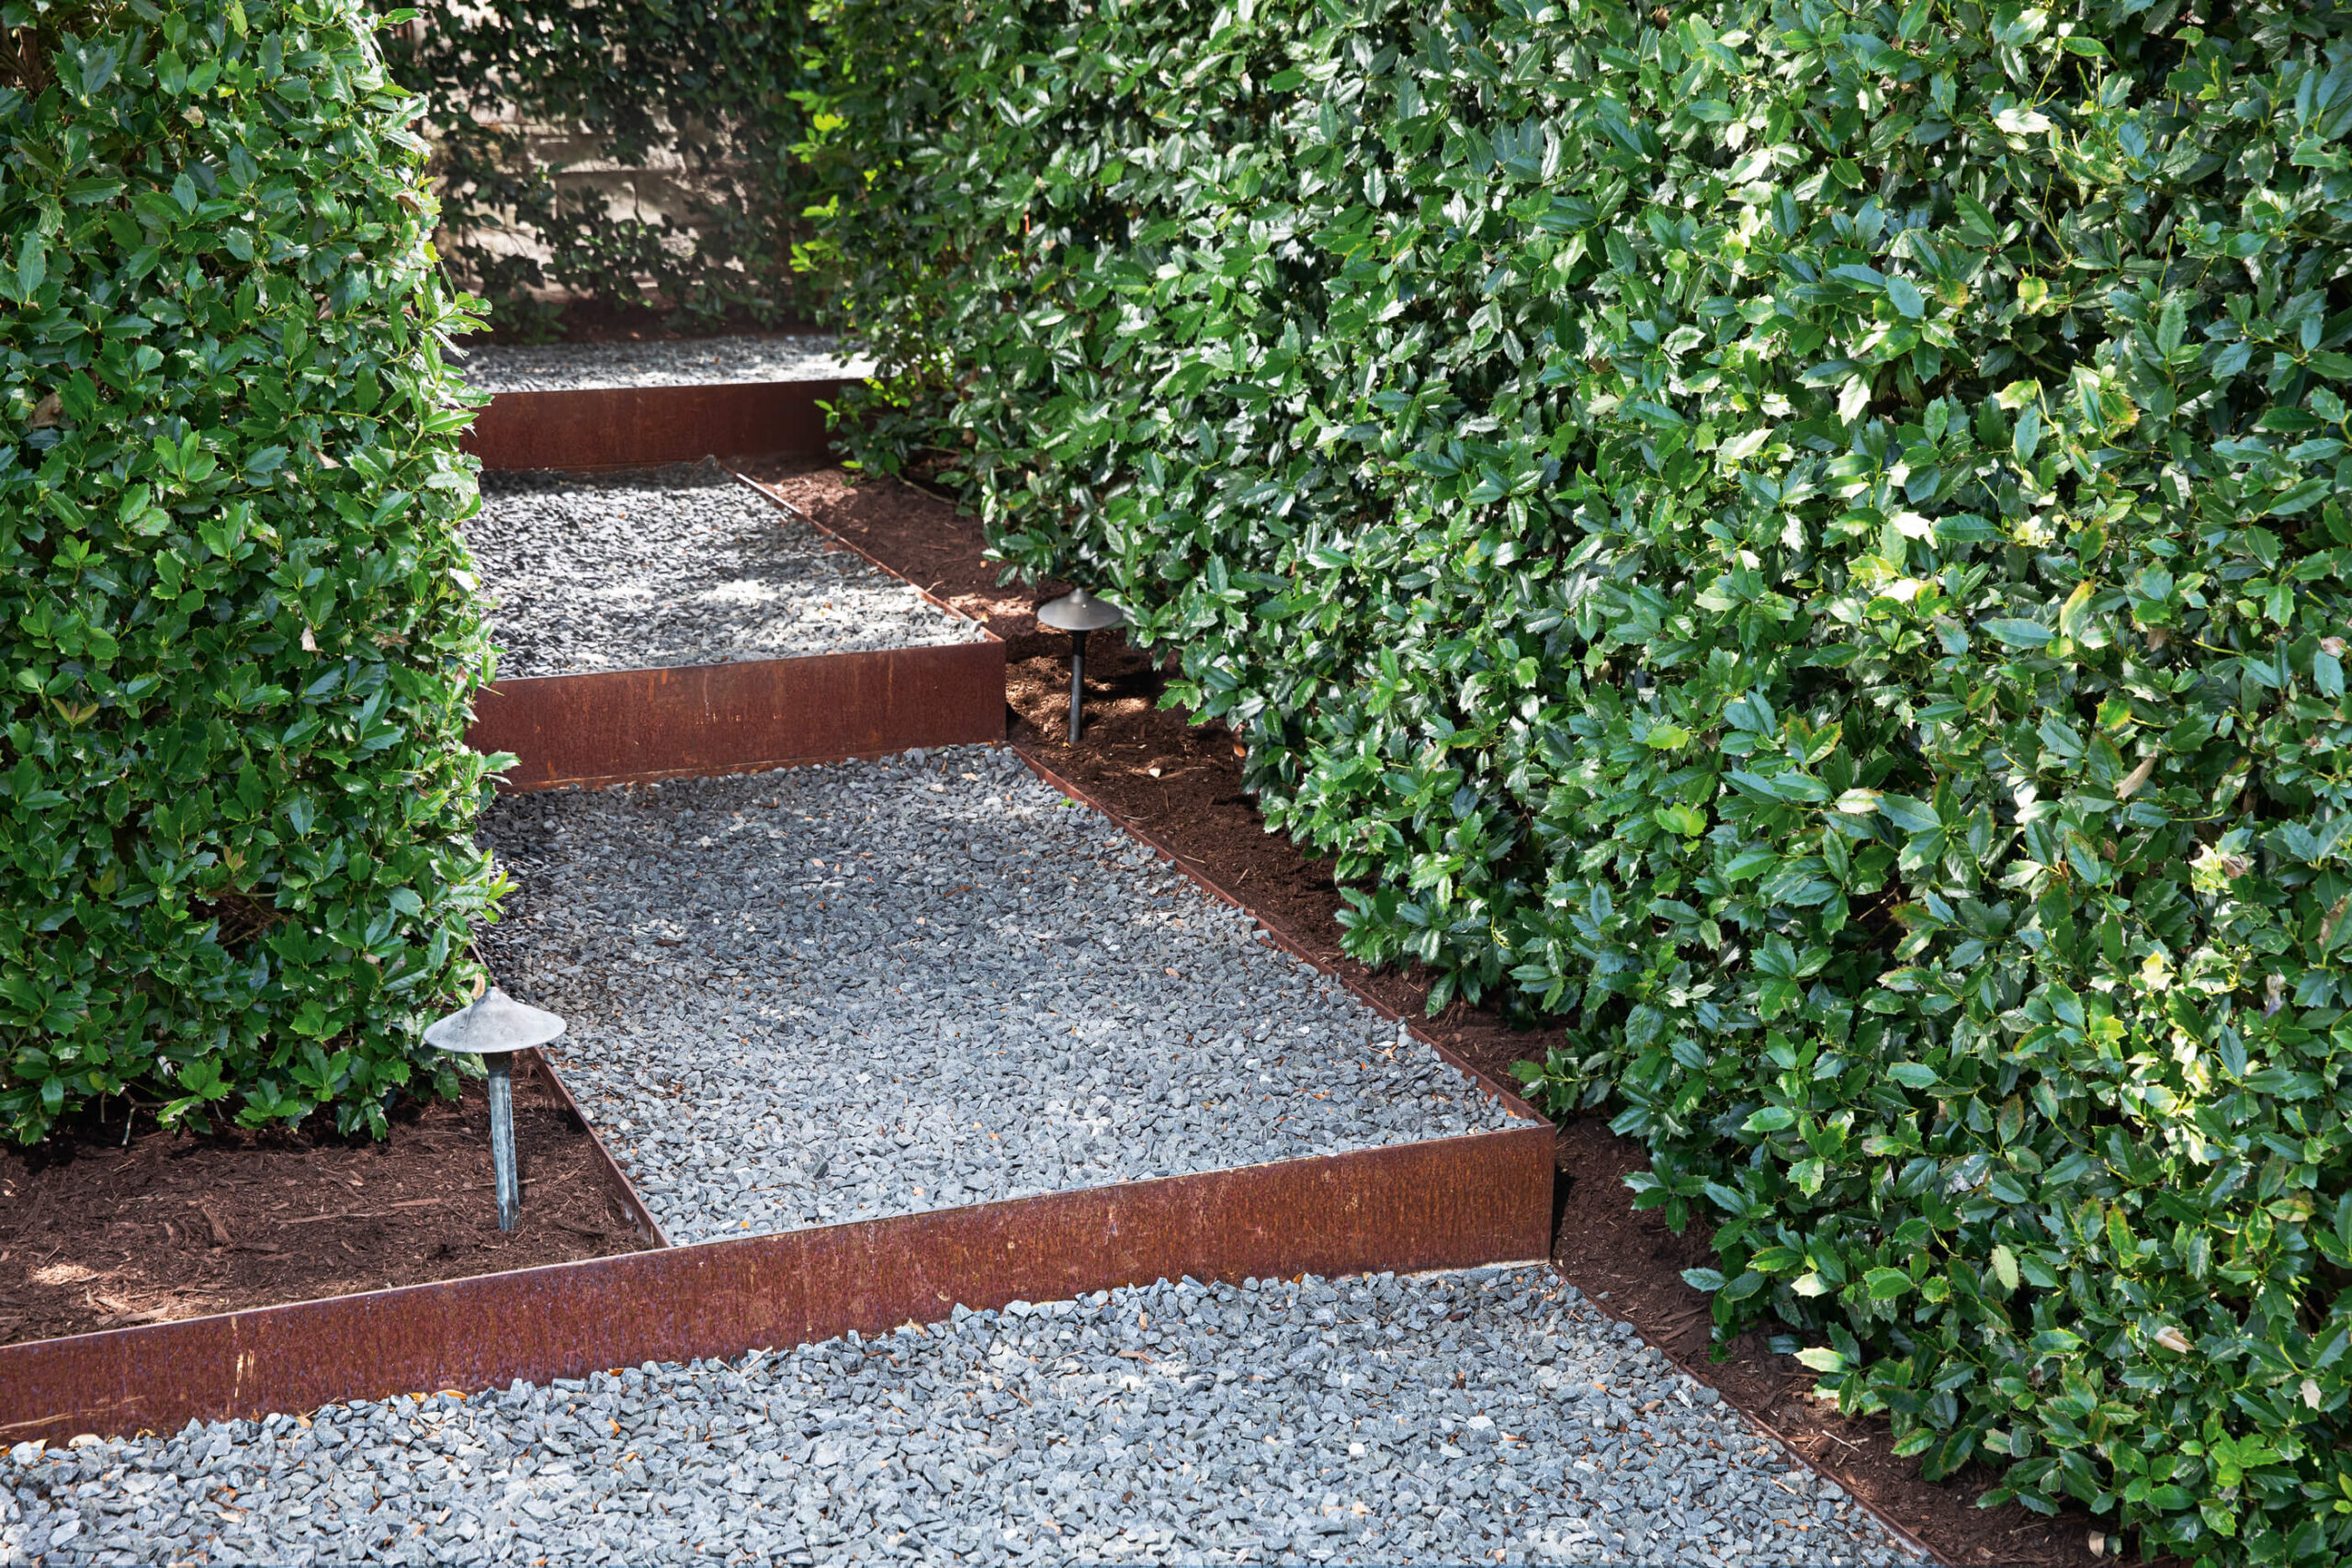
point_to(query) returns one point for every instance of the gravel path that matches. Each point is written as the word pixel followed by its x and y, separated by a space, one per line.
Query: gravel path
pixel 1459 1418
pixel 575 367
pixel 680 565
pixel 835 993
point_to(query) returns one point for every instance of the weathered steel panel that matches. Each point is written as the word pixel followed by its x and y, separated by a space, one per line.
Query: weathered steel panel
pixel 1454 1202
pixel 617 726
pixel 631 426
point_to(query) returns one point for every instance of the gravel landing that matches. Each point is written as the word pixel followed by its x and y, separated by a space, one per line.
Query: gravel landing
pixel 680 565
pixel 835 993
pixel 687 362
pixel 1463 1417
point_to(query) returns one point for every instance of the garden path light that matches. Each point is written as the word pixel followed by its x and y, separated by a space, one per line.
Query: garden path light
pixel 1078 612
pixel 494 1026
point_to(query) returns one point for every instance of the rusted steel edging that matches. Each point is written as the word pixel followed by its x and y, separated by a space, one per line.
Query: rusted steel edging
pixel 699 720
pixel 626 726
pixel 1294 946
pixel 639 1215
pixel 1442 1203
pixel 612 427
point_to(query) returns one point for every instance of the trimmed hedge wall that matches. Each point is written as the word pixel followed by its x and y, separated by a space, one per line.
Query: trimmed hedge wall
pixel 239 630
pixel 1807 542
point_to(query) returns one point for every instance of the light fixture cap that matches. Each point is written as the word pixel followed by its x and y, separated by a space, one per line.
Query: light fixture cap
pixel 492 1024
pixel 1080 611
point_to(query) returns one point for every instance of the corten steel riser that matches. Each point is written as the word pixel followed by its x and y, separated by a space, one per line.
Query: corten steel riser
pixel 624 726
pixel 699 720
pixel 611 427
pixel 1453 1202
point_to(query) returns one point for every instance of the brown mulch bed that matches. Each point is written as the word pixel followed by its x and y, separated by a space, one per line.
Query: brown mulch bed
pixel 95 1233
pixel 1182 785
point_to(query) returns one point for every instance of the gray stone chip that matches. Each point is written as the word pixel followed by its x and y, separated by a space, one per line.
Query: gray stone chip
pixel 583 367
pixel 837 993
pixel 1366 1420
pixel 682 565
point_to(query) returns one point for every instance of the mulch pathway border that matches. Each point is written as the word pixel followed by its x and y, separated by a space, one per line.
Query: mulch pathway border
pixel 173 1229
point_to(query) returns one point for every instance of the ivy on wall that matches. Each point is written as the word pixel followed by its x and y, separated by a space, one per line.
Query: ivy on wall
pixel 695 99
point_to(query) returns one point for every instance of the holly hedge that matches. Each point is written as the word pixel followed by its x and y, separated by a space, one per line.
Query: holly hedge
pixel 1806 541
pixel 239 630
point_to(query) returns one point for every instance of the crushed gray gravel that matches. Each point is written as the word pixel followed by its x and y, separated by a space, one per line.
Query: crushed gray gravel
pixel 1461 1417
pixel 681 565
pixel 834 993
pixel 580 366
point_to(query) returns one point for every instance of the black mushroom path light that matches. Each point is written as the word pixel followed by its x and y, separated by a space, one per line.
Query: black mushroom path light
pixel 1078 612
pixel 494 1026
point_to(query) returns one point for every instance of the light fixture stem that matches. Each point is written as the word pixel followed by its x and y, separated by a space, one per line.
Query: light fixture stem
pixel 501 1069
pixel 1077 683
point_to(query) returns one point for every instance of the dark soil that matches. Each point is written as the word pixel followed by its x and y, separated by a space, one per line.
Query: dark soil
pixel 1180 784
pixel 98 1234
